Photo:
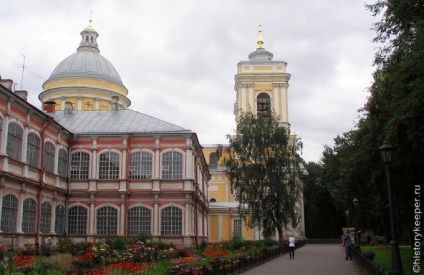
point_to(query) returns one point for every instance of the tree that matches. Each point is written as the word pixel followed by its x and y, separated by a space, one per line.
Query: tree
pixel 263 164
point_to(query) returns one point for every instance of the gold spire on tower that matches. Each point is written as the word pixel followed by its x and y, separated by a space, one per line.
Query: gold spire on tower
pixel 260 41
pixel 89 28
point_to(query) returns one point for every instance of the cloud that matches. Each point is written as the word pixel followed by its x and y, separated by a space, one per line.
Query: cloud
pixel 178 58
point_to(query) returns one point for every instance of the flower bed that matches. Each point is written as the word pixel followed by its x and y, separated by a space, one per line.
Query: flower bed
pixel 121 257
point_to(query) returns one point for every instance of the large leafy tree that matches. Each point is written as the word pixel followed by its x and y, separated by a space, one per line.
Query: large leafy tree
pixel 263 164
pixel 393 113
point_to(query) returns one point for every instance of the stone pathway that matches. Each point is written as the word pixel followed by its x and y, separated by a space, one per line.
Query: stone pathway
pixel 314 259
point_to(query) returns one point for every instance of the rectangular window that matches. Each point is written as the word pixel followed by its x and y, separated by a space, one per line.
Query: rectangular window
pixel 237 228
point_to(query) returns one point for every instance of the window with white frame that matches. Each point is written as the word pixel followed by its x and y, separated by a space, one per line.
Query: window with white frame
pixel 28 216
pixel 14 141
pixel 49 153
pixel 33 150
pixel 59 226
pixel 46 217
pixel 237 228
pixel 107 221
pixel 9 214
pixel 62 164
pixel 77 220
pixel 109 166
pixel 80 165
pixel 172 165
pixel 141 164
pixel 171 221
pixel 139 221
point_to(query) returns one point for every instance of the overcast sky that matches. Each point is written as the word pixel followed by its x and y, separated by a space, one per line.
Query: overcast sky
pixel 178 58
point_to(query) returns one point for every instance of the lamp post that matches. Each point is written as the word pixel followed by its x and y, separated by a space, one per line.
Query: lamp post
pixel 355 206
pixel 396 264
pixel 347 219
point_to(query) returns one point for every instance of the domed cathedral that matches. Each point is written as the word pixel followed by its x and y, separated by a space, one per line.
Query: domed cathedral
pixel 86 79
pixel 261 84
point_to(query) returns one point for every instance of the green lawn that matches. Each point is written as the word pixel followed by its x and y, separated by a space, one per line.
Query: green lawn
pixel 382 256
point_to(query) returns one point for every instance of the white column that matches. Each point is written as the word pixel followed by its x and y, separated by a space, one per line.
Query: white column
pixel 20 210
pixel 156 216
pixel 62 104
pixel 284 102
pixel 187 229
pixel 79 106
pixel 97 103
pixel 277 89
pixel 122 216
pixel 4 134
pixel 189 159
pixel 92 217
pixel 251 99
pixel 53 217
pixel 94 160
pixel 157 159
pixel 243 97
pixel 124 158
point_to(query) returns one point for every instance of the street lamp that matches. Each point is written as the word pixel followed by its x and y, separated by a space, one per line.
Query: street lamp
pixel 396 264
pixel 347 219
pixel 355 206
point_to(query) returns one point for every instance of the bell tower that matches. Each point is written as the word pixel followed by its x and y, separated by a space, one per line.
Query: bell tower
pixel 261 84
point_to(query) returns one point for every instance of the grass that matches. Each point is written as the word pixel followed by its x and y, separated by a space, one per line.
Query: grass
pixel 382 256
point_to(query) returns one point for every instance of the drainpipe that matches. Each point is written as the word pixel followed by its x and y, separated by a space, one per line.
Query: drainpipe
pixel 41 181
pixel 127 183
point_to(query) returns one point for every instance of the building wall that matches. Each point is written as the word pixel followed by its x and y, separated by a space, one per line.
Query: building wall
pixel 187 194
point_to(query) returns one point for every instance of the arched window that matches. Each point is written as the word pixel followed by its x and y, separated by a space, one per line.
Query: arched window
pixel 107 221
pixel 80 165
pixel 33 150
pixel 14 141
pixel 46 217
pixel 59 226
pixel 109 166
pixel 62 164
pixel 172 165
pixel 49 157
pixel 213 161
pixel 139 221
pixel 171 221
pixel 212 200
pixel 9 214
pixel 77 223
pixel 263 103
pixel 141 164
pixel 28 216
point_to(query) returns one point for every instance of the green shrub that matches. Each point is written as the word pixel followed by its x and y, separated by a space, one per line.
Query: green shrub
pixel 117 243
pixel 378 240
pixel 64 245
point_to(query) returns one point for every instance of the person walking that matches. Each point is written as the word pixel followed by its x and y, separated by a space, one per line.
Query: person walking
pixel 348 245
pixel 291 246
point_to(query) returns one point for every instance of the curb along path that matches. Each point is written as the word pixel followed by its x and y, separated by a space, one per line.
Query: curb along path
pixel 317 259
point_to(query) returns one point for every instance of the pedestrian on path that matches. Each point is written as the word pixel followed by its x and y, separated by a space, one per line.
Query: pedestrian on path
pixel 348 245
pixel 291 246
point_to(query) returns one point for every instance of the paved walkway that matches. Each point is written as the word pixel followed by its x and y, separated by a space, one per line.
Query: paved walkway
pixel 314 259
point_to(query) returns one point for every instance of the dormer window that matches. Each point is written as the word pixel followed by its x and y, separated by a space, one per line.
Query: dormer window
pixel 263 103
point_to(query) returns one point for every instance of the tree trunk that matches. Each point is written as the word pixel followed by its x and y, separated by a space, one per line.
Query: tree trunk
pixel 280 236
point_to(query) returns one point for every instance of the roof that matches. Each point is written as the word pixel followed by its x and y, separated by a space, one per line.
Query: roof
pixel 114 122
pixel 86 64
pixel 87 61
